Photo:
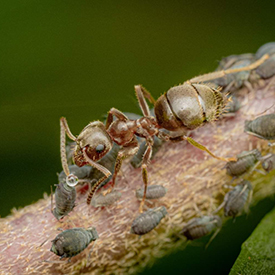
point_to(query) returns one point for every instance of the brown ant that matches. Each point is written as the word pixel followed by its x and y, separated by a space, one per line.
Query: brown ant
pixel 184 107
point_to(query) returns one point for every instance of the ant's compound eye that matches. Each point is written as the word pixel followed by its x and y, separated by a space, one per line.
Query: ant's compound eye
pixel 100 148
pixel 72 180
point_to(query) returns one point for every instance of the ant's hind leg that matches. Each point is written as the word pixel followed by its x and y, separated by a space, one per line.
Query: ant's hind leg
pixel 215 75
pixel 145 94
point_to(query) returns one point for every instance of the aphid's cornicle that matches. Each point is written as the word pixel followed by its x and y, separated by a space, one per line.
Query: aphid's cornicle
pixel 71 242
pixel 262 127
pixel 245 161
pixel 184 107
pixel 201 226
pixel 153 192
pixel 235 200
pixel 148 220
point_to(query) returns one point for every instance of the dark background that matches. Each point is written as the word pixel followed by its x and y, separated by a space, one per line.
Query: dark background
pixel 80 58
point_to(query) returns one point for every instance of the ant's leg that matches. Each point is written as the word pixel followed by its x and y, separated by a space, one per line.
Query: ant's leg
pixel 145 93
pixel 215 75
pixel 118 114
pixel 125 152
pixel 141 101
pixel 99 167
pixel 145 161
pixel 165 136
pixel 64 128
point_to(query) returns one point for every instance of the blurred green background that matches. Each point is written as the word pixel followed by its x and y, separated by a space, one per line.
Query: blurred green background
pixel 80 58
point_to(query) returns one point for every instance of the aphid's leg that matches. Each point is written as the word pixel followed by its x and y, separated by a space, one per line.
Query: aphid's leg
pixel 145 93
pixel 118 114
pixel 213 237
pixel 219 208
pixel 99 167
pixel 51 199
pixel 269 85
pixel 215 75
pixel 255 135
pixel 228 87
pixel 54 262
pixel 126 151
pixel 145 162
pixel 248 85
pixel 90 253
pixel 197 209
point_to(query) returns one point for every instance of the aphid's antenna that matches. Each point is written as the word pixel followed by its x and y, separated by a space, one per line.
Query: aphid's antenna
pixel 213 237
pixel 262 113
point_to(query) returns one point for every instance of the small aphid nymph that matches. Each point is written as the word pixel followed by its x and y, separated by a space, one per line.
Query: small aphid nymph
pixel 71 242
pixel 200 227
pixel 245 161
pixel 262 127
pixel 110 198
pixel 268 162
pixel 153 192
pixel 148 220
pixel 235 200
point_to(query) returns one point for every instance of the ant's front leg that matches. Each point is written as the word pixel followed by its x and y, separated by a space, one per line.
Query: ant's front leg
pixel 145 162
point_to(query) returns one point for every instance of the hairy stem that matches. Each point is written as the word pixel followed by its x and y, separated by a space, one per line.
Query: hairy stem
pixel 191 176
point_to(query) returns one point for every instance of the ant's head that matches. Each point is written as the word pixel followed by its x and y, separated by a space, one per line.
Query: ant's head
pixel 95 141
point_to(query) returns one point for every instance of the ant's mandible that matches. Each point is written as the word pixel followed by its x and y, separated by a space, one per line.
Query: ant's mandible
pixel 183 107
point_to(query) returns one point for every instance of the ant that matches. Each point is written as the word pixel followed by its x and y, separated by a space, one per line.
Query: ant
pixel 184 107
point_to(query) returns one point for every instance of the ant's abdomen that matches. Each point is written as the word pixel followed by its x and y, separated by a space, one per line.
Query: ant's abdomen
pixel 189 106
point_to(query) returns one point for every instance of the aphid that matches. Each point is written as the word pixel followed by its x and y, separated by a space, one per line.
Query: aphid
pixel 268 162
pixel 65 196
pixel 136 160
pixel 153 192
pixel 245 161
pixel 235 200
pixel 235 81
pixel 267 69
pixel 148 220
pixel 184 107
pixel 101 200
pixel 233 105
pixel 262 127
pixel 200 227
pixel 71 242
